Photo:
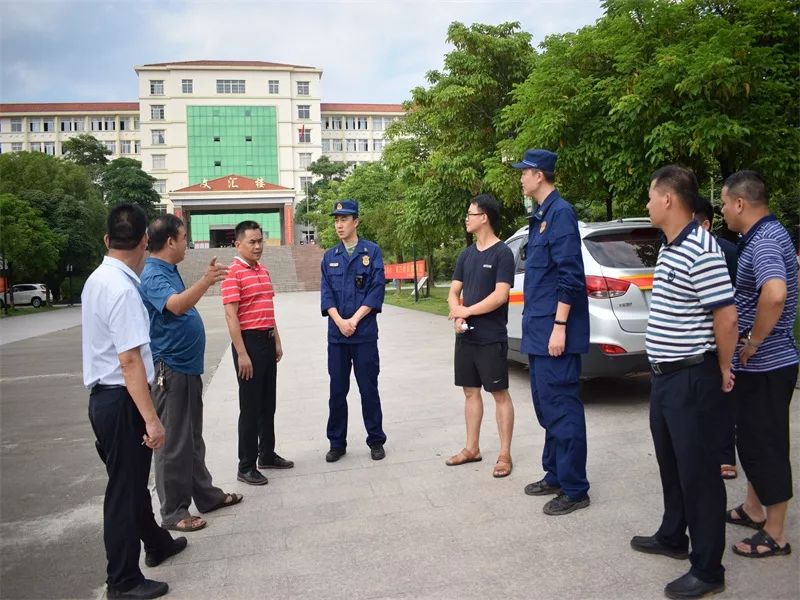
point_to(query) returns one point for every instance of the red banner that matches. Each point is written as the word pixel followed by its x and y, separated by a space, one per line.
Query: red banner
pixel 404 270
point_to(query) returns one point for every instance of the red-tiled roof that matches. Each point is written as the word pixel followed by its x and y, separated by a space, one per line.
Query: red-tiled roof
pixel 232 183
pixel 224 63
pixel 61 107
pixel 345 107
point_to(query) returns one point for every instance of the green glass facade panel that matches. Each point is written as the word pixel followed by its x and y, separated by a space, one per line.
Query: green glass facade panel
pixel 227 140
pixel 201 223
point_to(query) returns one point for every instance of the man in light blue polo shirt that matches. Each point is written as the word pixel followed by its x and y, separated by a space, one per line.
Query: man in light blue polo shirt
pixel 178 341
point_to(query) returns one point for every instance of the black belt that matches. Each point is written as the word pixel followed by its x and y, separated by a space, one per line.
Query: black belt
pixel 665 367
pixel 260 332
pixel 102 387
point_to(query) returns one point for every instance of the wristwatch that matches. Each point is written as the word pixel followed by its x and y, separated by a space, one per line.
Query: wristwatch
pixel 750 342
pixel 557 322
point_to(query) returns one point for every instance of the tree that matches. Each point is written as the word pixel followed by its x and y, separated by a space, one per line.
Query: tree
pixel 26 242
pixel 123 181
pixel 707 84
pixel 327 171
pixel 87 151
pixel 68 202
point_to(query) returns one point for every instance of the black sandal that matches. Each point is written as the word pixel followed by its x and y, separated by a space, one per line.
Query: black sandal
pixel 743 519
pixel 762 538
pixel 235 499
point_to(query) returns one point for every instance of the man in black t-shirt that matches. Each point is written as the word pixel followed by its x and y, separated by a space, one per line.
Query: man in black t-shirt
pixel 484 273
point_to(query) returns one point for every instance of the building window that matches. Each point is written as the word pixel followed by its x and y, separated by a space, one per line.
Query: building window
pixel 303 111
pixel 68 125
pixel 363 145
pixel 230 86
pixel 16 125
pixel 350 123
pixel 37 147
pixel 159 162
pixel 351 145
pixel 362 122
pixel 326 145
pixel 304 135
pixel 377 145
pixel 34 125
pixel 161 209
pixel 137 146
pixel 248 138
pixel 16 146
pixel 158 136
pixel 274 86
pixel 217 163
pixel 112 146
pixel 97 124
pixel 124 124
pixel 303 88
pixel 157 112
pixel 187 86
pixel 136 123
pixel 305 160
pixel 333 122
pixel 50 148
pixel 109 124
pixel 156 87
pixel 125 147
pixel 305 184
pixel 160 185
pixel 336 145
pixel 47 124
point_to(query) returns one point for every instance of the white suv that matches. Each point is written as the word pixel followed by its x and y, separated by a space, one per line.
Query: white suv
pixel 34 294
pixel 619 258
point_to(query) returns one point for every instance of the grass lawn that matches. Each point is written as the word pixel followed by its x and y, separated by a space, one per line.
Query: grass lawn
pixel 16 311
pixel 436 303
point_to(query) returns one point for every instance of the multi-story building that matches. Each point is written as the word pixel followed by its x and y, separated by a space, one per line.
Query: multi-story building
pixel 224 140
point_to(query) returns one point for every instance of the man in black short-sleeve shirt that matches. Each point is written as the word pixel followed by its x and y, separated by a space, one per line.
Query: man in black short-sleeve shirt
pixel 484 274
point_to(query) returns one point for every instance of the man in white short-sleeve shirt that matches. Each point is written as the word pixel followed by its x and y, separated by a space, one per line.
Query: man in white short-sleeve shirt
pixel 118 368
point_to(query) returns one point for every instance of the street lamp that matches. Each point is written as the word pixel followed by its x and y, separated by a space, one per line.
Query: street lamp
pixel 69 276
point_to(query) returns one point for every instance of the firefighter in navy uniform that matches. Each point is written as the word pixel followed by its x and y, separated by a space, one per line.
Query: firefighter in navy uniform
pixel 352 290
pixel 555 332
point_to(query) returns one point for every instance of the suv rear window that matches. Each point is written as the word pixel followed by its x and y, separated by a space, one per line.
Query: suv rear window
pixel 635 249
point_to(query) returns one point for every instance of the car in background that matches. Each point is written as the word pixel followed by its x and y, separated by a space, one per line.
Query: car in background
pixel 34 294
pixel 619 259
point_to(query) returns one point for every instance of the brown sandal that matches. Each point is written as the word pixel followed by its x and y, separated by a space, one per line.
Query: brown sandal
pixel 463 457
pixel 503 466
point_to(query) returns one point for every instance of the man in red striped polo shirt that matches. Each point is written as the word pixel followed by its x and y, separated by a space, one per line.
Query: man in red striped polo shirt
pixel 247 295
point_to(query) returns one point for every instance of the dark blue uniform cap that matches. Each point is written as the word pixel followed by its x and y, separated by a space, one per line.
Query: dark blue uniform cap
pixel 345 207
pixel 544 160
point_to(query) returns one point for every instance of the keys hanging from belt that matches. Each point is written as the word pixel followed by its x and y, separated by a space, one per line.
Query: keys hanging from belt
pixel 161 378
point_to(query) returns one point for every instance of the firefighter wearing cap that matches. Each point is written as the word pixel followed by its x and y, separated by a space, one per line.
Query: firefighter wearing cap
pixel 555 332
pixel 351 293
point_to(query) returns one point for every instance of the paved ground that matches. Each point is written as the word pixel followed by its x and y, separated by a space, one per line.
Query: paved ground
pixel 34 324
pixel 405 527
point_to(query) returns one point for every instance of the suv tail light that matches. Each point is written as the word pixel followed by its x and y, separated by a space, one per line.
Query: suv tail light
pixel 598 286
pixel 611 349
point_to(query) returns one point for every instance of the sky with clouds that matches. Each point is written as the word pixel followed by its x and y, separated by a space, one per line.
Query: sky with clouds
pixel 369 50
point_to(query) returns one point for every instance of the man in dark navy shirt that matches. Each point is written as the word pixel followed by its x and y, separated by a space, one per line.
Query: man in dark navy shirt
pixel 555 332
pixel 178 341
pixel 484 273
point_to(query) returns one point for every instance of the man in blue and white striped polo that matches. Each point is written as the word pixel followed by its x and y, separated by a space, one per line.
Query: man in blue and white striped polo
pixel 690 340
pixel 766 363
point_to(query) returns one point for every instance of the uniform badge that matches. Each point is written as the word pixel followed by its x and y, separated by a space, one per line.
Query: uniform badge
pixel 339 206
pixel 365 260
pixel 333 264
pixel 543 226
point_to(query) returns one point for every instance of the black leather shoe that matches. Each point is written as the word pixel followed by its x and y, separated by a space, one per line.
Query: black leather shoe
pixel 252 478
pixel 650 544
pixel 153 559
pixel 690 586
pixel 335 454
pixel 147 589
pixel 276 462
pixel 563 505
pixel 377 452
pixel 541 488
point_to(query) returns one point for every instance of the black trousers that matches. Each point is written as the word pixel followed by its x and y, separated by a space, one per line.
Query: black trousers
pixel 127 509
pixel 685 408
pixel 257 399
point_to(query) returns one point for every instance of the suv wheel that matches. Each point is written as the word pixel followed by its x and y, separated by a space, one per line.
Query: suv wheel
pixel 36 302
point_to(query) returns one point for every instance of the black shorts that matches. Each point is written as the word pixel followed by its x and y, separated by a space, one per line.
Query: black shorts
pixel 762 431
pixel 479 365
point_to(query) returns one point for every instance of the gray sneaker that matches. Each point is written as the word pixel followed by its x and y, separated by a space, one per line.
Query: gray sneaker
pixel 563 505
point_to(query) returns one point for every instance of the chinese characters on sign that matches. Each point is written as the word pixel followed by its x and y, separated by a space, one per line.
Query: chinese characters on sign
pixel 205 184
pixel 232 183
